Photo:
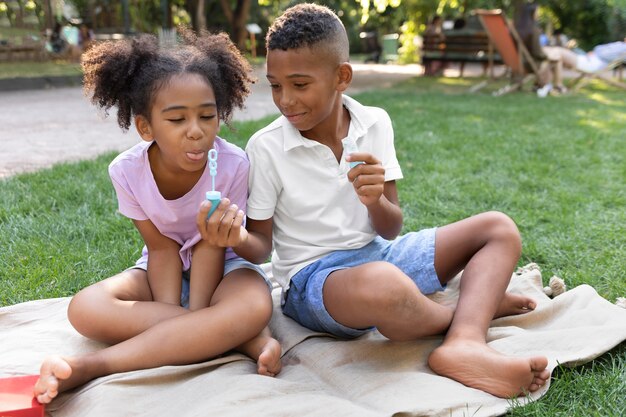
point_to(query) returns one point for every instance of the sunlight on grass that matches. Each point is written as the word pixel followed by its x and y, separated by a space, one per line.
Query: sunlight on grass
pixel 457 81
pixel 602 98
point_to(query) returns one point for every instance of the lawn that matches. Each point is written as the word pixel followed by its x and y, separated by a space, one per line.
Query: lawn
pixel 29 69
pixel 557 166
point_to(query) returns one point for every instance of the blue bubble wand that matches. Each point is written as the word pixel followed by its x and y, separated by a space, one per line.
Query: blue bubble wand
pixel 213 196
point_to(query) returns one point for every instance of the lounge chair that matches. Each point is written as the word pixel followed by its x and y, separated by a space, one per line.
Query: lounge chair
pixel 614 66
pixel 511 49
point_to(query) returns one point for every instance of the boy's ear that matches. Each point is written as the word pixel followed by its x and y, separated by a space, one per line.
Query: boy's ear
pixel 344 72
pixel 143 128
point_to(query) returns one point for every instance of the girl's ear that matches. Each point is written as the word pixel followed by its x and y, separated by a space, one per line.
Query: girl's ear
pixel 143 128
pixel 344 72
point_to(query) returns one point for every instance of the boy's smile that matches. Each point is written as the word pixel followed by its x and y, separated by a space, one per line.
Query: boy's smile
pixel 306 87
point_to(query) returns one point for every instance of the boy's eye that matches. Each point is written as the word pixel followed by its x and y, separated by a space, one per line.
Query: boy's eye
pixel 274 86
pixel 300 85
pixel 175 120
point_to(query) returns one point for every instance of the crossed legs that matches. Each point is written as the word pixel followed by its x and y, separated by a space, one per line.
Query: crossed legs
pixel 486 247
pixel 147 334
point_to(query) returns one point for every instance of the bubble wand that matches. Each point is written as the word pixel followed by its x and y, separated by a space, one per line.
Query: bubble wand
pixel 213 196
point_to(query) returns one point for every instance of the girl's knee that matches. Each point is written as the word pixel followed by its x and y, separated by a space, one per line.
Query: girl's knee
pixel 83 306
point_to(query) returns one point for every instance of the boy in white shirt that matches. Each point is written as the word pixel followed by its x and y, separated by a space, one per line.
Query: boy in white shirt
pixel 334 223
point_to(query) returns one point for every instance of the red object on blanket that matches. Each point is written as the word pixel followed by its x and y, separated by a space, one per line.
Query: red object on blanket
pixel 16 397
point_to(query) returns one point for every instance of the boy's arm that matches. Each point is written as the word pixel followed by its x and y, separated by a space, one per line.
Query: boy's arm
pixel 164 263
pixel 206 274
pixel 258 246
pixel 380 197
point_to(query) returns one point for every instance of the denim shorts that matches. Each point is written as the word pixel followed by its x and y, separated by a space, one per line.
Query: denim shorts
pixel 413 253
pixel 230 265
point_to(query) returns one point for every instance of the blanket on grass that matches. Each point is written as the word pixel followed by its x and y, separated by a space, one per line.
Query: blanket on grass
pixel 321 376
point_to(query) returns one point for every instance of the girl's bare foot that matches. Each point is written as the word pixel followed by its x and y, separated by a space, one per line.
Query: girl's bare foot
pixel 268 362
pixel 266 351
pixel 54 370
pixel 476 365
pixel 513 304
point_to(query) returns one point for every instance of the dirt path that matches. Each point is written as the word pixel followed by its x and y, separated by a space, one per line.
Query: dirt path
pixel 40 128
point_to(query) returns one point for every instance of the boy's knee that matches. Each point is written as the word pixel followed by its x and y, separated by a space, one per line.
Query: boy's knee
pixel 503 228
pixel 385 287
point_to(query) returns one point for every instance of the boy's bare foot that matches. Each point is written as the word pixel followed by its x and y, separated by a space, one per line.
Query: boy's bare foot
pixel 513 304
pixel 478 366
pixel 54 370
pixel 269 363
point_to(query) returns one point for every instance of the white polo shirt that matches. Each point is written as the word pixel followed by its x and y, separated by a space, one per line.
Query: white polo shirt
pixel 299 183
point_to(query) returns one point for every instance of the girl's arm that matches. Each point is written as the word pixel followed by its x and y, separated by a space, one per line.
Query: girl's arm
pixel 380 197
pixel 206 274
pixel 164 263
pixel 225 229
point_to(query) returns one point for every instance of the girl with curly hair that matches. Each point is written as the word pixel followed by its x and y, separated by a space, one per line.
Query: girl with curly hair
pixel 178 303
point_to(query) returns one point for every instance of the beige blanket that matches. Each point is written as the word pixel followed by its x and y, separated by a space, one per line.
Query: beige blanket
pixel 321 376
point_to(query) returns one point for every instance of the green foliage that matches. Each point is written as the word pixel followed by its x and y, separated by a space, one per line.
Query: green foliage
pixel 590 22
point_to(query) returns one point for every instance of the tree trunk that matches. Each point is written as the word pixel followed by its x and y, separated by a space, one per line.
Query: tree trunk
pixel 237 19
pixel 19 14
pixel 200 16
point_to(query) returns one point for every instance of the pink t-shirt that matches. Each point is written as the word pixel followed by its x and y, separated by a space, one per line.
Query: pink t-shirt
pixel 139 198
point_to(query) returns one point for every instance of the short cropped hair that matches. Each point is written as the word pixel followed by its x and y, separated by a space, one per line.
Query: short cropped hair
pixel 309 25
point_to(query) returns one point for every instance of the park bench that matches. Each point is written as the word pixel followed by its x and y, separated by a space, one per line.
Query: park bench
pixel 22 49
pixel 459 47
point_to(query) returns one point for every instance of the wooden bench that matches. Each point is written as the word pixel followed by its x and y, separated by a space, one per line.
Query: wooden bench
pixel 458 47
pixel 22 50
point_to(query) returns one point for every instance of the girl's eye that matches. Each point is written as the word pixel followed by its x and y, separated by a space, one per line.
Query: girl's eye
pixel 175 120
pixel 208 117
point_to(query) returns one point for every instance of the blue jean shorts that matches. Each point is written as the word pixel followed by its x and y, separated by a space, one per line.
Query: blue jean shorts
pixel 413 253
pixel 230 265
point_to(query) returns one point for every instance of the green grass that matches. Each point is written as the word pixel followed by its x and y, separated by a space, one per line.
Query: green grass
pixel 38 68
pixel 555 165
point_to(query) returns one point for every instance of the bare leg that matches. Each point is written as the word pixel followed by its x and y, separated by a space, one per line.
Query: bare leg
pixel 355 298
pixel 241 310
pixel 263 348
pixel 558 53
pixel 487 247
pixel 127 300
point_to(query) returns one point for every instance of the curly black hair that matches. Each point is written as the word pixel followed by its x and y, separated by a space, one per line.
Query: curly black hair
pixel 309 25
pixel 127 74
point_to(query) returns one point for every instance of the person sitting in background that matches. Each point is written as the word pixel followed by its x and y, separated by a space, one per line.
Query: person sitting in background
pixel 433 35
pixel 58 42
pixel 595 60
pixel 559 39
pixel 86 37
pixel 459 23
pixel 548 70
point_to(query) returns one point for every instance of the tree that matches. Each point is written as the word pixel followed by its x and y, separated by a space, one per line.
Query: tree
pixel 237 15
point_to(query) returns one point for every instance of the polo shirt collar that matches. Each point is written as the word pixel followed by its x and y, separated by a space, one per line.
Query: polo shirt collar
pixel 359 124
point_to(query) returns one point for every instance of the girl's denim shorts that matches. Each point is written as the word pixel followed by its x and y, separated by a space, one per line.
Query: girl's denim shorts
pixel 229 266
